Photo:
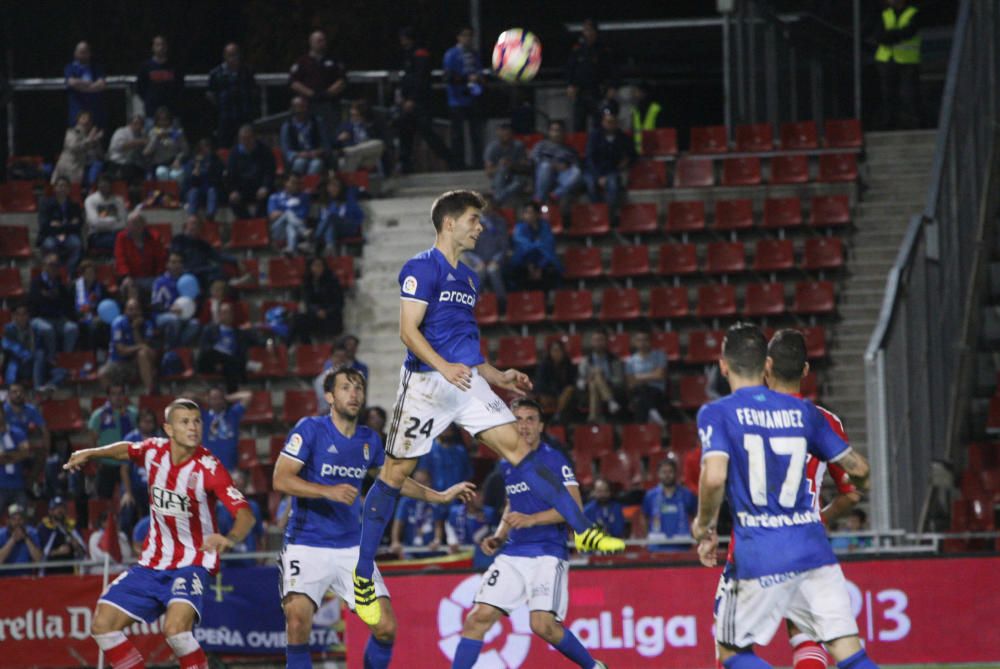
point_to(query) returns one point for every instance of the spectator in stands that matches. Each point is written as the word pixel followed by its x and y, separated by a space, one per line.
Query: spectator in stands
pixel 85 85
pixel 489 257
pixel 26 417
pixel 898 62
pixel 287 211
pixel 60 226
pixel 506 165
pixel 533 261
pixel 51 305
pixel 160 83
pixel 462 74
pixel 557 166
pixel 59 538
pixel 646 378
pixel 80 160
pixel 134 503
pixel 668 509
pixel 110 423
pixel 609 154
pixel 131 353
pixel 105 216
pixel 601 378
pixel 125 153
pixel 338 360
pixel 340 215
pixel 320 80
pixel 232 89
pixel 251 543
pixel 645 114
pixel 15 451
pixel 604 511
pixel 203 179
pixel 88 292
pixel 467 524
pixel 304 141
pixel 176 330
pixel 24 355
pixel 221 424
pixel 223 349
pixel 376 418
pixel 218 294
pixel 855 521
pixel 555 382
pixel 414 98
pixel 590 72
pixel 417 524
pixel 359 139
pixel 200 258
pixel 322 300
pixel 98 555
pixel 250 174
pixel 139 255
pixel 166 149
pixel 19 542
pixel 350 344
pixel 448 460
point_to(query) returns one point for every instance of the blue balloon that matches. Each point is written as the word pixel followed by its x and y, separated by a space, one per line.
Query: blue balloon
pixel 188 286
pixel 108 311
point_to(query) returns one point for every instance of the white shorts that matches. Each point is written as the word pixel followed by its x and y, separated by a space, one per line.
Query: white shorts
pixel 426 404
pixel 311 571
pixel 749 611
pixel 540 582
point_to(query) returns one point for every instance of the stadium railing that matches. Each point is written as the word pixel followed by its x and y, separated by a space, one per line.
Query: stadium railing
pixel 917 359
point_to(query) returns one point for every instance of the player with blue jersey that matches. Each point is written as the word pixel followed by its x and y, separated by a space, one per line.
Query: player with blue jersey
pixel 755 444
pixel 532 566
pixel 445 380
pixel 322 466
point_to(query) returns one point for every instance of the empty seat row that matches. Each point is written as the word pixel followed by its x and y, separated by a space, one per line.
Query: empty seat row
pixel 795 136
pixel 700 172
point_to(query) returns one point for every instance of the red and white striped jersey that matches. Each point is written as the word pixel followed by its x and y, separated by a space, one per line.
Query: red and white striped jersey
pixel 181 500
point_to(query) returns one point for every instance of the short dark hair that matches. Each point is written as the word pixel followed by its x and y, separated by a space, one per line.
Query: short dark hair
pixel 744 349
pixel 561 124
pixel 147 413
pixel 668 462
pixel 787 350
pixel 534 206
pixel 104 177
pixel 527 403
pixel 180 403
pixel 330 380
pixel 453 204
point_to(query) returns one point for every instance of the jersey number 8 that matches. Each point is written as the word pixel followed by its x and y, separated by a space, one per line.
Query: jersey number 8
pixel 793 446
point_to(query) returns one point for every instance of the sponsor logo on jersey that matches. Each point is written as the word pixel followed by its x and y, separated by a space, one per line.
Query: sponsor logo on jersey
pixel 169 502
pixel 774 520
pixel 514 488
pixel 410 285
pixel 179 587
pixel 457 296
pixel 342 471
pixel 294 444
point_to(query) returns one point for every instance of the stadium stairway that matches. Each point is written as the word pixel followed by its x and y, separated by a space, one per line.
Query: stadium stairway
pixel 897 169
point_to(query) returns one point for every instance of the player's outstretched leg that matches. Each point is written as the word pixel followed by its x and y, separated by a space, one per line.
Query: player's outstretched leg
pixel 806 653
pixel 742 659
pixel 545 625
pixel 849 653
pixel 177 626
pixel 107 632
pixel 378 650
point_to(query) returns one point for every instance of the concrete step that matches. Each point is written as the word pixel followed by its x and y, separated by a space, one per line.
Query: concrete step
pixel 877 140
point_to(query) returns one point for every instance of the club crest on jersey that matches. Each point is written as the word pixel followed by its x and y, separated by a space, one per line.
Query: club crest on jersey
pixel 367 453
pixel 410 285
pixel 472 285
pixel 170 503
pixel 209 462
pixel 234 494
pixel 294 444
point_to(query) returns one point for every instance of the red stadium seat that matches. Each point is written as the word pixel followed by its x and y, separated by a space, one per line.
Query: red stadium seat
pixel 993 418
pixel 249 233
pixel 683 437
pixel 815 341
pixel 593 441
pixel 637 218
pixel 63 415
pixel 246 450
pixel 358 178
pixel 310 358
pixel 843 133
pixel 530 140
pixel 573 343
pixel 18 197
pixel 694 173
pixel 629 261
pixel 983 455
pixel 838 167
pixel 5 317
pixel 704 346
pixel 573 306
pixel 647 175
pixel 517 352
pixel 659 142
pixel 668 302
pixel 685 216
pixel 620 345
pixel 299 404
pixel 510 216
pixel 259 408
pixel 157 404
pixel 814 297
pixel 343 268
pixel 741 171
pixel 162 231
pixel 620 304
pixel 764 299
pixel 211 233
pixel 709 139
pixel 642 439
pixel 14 242
pixel 773 255
pixel 582 262
pixel 754 137
pixel 286 272
pixel 823 253
pixel 725 258
pixel 275 445
pixel 716 301
pixel 800 135
pixel 620 469
pixel 830 211
pixel 273 365
pixel 577 140
pixel 809 387
pixel 733 214
pixel 526 306
pixel 170 194
pixel 583 467
pixel 669 343
pixel 782 212
pixel 588 220
pixel 792 169
pixel 678 259
pixel 487 309
pixel 692 392
pixel 10 283
pixel 553 215
pixel 81 365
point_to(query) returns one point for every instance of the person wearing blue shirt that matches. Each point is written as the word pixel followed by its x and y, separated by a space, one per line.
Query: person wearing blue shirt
pixel 287 210
pixel 303 139
pixel 340 215
pixel 646 378
pixel 134 477
pixel 533 260
pixel 755 443
pixel 469 524
pixel 448 460
pixel 176 331
pixel 221 420
pixel 23 352
pixel 19 542
pixel 85 85
pixel 139 534
pixel 609 153
pixel 604 511
pixel 668 509
pixel 14 451
pixel 418 524
pixel 131 353
pixel 557 165
pixel 462 75
pixel 531 566
pixel 26 416
pixel 225 519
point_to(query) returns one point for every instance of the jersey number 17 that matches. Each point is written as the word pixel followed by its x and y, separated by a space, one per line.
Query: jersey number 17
pixel 793 446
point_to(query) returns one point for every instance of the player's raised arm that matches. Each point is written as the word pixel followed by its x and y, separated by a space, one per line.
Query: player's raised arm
pixel 511 379
pixel 411 315
pixel 516 520
pixel 462 491
pixel 829 446
pixel 115 451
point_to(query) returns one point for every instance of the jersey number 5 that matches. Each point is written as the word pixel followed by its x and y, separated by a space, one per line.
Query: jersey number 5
pixel 793 446
pixel 411 432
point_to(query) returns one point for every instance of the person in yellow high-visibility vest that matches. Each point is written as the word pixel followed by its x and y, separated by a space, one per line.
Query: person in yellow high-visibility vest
pixel 898 61
pixel 647 114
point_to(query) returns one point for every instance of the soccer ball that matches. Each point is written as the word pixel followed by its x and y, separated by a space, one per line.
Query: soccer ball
pixel 517 55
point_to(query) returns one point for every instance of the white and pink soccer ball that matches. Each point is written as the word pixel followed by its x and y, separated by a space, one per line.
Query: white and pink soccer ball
pixel 517 55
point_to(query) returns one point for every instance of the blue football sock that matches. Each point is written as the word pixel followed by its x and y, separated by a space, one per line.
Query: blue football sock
pixel 571 647
pixel 467 653
pixel 378 508
pixel 548 485
pixel 377 653
pixel 859 660
pixel 297 656
pixel 747 660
